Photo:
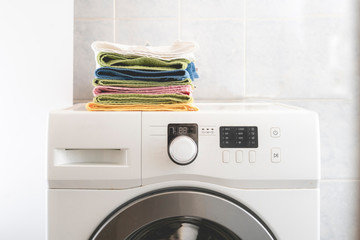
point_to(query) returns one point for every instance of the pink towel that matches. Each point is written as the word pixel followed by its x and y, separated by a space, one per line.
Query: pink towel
pixel 174 89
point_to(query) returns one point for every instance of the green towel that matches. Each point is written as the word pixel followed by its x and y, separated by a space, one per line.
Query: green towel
pixel 138 62
pixel 138 84
pixel 130 99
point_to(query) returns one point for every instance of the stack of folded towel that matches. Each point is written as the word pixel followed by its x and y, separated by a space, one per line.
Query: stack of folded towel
pixel 143 78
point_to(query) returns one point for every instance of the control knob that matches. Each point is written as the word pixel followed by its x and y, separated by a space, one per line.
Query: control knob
pixel 183 150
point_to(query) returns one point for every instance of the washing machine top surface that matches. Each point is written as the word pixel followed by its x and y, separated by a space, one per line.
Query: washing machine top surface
pixel 206 106
pixel 242 145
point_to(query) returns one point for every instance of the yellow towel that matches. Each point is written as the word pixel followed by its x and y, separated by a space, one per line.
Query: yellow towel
pixel 140 107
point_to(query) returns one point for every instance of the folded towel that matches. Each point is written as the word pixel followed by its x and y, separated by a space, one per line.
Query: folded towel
pixel 192 71
pixel 179 49
pixel 182 89
pixel 105 59
pixel 137 83
pixel 133 74
pixel 130 99
pixel 115 60
pixel 139 107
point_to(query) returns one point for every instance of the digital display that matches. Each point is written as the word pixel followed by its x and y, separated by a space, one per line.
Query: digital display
pixel 238 137
pixel 183 130
pixel 174 129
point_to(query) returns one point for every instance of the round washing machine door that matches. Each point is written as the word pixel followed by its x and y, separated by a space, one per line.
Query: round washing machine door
pixel 183 214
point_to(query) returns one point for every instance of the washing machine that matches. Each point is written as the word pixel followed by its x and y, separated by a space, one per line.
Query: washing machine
pixel 234 171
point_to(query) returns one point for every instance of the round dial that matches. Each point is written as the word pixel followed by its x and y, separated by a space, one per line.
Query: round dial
pixel 183 150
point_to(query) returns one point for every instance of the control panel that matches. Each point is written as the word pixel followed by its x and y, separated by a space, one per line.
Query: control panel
pixel 182 142
pixel 238 137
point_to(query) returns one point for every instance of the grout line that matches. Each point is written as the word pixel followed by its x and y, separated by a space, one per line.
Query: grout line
pixel 179 20
pixel 244 55
pixel 306 16
pixel 218 19
pixel 312 99
pixel 209 18
pixel 114 21
pixel 147 18
pixel 262 99
pixel 340 180
pixel 93 19
pixel 293 99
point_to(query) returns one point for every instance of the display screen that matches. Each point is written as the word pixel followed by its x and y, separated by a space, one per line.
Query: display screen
pixel 238 137
pixel 183 130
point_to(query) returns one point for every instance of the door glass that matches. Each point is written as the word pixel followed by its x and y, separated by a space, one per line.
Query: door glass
pixel 183 228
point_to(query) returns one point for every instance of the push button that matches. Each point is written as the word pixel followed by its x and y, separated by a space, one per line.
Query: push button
pixel 238 156
pixel 275 155
pixel 226 156
pixel 275 132
pixel 252 156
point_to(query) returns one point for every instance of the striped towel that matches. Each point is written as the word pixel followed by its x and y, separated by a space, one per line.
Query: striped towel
pixel 130 99
pixel 181 89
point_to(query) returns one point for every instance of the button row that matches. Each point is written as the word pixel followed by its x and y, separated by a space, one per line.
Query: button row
pixel 275 156
pixel 238 156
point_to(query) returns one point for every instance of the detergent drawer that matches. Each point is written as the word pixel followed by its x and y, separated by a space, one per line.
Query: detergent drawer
pixel 92 150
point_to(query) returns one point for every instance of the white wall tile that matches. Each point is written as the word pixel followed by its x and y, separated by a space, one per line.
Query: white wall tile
pixel 274 8
pixel 340 213
pixel 156 32
pixel 93 8
pixel 219 59
pixel 301 58
pixel 145 9
pixel 85 33
pixel 212 9
pixel 299 8
pixel 339 137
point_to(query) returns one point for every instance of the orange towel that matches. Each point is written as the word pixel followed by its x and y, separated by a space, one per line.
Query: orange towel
pixel 140 107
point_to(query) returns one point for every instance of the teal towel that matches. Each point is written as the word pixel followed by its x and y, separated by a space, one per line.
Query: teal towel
pixel 112 73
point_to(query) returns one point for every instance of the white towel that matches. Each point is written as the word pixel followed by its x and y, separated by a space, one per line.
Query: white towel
pixel 179 49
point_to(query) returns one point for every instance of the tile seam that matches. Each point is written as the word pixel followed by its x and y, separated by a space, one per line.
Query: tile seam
pixel 244 55
pixel 304 17
pixel 114 20
pixel 295 99
pixel 179 20
pixel 340 180
pixel 92 19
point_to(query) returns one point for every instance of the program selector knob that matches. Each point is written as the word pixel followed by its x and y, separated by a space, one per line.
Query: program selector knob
pixel 183 150
pixel 182 143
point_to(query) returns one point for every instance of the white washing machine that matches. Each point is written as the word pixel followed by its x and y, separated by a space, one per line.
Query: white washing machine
pixel 227 172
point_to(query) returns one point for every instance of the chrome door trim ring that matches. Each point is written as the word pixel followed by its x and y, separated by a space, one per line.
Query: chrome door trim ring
pixel 135 200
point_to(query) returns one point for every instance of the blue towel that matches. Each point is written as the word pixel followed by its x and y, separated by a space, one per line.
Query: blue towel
pixel 192 71
pixel 111 73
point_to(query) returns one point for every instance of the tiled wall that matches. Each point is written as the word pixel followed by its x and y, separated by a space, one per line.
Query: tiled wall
pixel 300 52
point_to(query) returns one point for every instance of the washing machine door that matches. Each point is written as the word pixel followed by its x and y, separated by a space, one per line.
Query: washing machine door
pixel 183 214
